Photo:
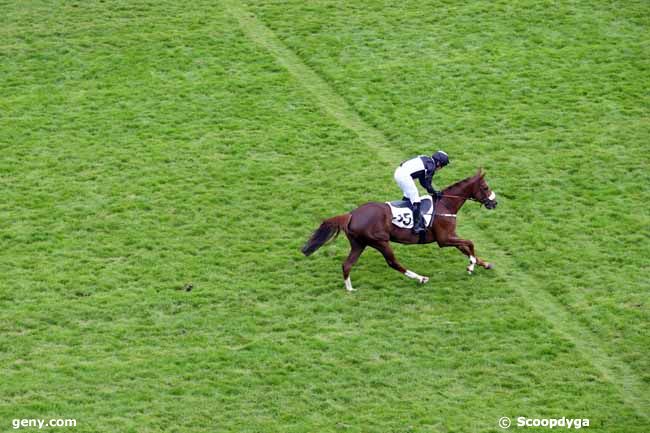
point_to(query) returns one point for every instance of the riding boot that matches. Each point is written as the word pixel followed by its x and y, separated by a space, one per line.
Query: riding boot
pixel 418 219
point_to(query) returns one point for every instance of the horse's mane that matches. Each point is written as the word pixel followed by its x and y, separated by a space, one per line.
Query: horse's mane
pixel 466 180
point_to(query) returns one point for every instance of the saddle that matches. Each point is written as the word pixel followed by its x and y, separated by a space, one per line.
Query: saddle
pixel 402 215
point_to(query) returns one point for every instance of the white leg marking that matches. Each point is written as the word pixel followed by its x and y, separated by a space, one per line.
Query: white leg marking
pixel 412 274
pixel 420 278
pixel 472 262
pixel 348 285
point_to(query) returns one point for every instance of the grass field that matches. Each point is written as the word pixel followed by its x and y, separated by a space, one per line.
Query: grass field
pixel 151 145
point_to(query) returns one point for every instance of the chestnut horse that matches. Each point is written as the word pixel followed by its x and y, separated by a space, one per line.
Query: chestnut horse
pixel 370 225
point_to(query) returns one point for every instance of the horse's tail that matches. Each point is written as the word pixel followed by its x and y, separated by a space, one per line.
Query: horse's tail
pixel 328 230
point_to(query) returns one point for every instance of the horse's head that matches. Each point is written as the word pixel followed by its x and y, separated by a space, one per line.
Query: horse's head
pixel 482 193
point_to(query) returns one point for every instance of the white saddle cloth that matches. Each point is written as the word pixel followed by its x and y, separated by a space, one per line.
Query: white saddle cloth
pixel 403 215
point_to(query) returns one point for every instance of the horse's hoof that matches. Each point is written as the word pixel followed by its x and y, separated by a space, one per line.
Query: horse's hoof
pixel 489 266
pixel 424 280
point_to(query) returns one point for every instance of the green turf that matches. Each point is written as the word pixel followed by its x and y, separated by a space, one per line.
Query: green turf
pixel 149 145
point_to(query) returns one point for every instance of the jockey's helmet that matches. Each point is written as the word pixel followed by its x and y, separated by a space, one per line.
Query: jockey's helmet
pixel 441 158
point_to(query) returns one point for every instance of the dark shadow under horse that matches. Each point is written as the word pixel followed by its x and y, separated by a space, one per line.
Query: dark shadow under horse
pixel 371 225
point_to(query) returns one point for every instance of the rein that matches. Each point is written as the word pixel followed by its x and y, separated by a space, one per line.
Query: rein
pixel 458 196
pixel 453 215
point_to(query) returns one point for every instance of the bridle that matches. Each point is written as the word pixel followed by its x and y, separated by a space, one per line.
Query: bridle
pixel 489 201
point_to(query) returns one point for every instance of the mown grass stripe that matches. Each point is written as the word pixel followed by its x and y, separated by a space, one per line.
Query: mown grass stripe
pixel 331 102
pixel 615 371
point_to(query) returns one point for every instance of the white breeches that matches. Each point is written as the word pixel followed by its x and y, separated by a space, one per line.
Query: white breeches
pixel 407 185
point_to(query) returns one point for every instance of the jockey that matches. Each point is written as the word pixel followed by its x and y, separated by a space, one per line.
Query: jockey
pixel 421 168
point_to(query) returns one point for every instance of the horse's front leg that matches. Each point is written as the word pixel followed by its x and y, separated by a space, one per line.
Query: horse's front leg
pixel 466 247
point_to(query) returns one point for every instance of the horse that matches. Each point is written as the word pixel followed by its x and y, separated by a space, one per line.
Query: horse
pixel 370 225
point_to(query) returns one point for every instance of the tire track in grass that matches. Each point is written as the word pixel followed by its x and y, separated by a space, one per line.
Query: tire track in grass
pixel 633 392
pixel 331 102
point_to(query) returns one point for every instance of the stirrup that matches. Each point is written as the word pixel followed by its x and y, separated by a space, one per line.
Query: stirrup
pixel 419 226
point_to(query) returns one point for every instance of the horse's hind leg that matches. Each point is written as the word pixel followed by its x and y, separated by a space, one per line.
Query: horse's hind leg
pixel 384 248
pixel 355 252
